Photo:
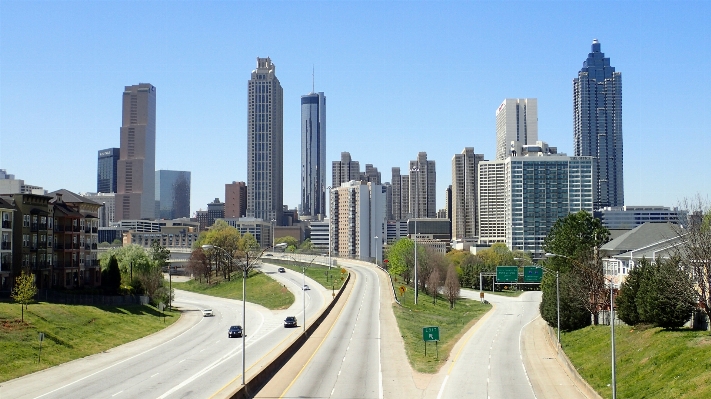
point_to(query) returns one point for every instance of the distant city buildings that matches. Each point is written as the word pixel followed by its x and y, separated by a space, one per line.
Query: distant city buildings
pixel 597 123
pixel 265 143
pixel 172 194
pixel 10 185
pixel 135 198
pixel 358 225
pixel 423 187
pixel 516 125
pixel 107 170
pixel 235 199
pixel 107 212
pixel 344 170
pixel 463 191
pixel 313 155
pixel 629 217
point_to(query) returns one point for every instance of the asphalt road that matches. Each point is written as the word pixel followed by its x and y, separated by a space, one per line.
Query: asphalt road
pixel 347 364
pixel 194 363
pixel 490 365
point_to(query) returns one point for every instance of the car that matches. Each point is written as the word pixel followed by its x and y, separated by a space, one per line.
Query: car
pixel 306 287
pixel 207 313
pixel 234 332
pixel 270 255
pixel 282 270
pixel 290 321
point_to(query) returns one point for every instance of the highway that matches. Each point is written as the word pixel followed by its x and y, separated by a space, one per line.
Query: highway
pixel 195 362
pixel 347 364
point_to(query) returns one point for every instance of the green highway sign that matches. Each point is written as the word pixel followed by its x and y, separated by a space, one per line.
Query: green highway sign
pixel 532 274
pixel 430 333
pixel 507 274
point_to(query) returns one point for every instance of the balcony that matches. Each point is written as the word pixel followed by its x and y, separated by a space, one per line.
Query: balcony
pixel 58 228
pixel 6 245
pixel 87 247
pixel 94 230
pixel 43 226
pixel 34 227
pixel 59 246
pixel 6 224
pixel 94 246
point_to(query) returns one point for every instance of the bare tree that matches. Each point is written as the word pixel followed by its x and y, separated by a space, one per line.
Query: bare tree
pixel 434 283
pixel 587 284
pixel 198 264
pixel 451 286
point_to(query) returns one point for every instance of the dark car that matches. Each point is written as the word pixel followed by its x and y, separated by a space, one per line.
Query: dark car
pixel 234 332
pixel 290 321
pixel 281 270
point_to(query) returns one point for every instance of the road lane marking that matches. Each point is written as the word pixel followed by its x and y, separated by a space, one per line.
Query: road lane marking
pixel 154 375
pixel 441 389
pixel 181 361
pixel 116 393
pixel 521 354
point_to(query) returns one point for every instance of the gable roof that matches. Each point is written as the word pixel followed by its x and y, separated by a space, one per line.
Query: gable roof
pixel 642 236
pixel 68 196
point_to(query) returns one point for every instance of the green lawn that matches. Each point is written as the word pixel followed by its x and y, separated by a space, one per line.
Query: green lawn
pixel 261 290
pixel 452 325
pixel 70 332
pixel 319 273
pixel 651 363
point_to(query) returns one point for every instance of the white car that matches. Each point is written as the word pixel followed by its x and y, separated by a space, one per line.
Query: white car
pixel 207 313
pixel 306 287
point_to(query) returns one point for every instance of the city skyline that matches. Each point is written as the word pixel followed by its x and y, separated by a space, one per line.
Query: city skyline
pixel 380 117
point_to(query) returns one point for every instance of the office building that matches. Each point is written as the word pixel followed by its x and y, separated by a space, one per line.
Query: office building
pixel 629 217
pixel 265 143
pixel 107 211
pixel 215 210
pixel 597 124
pixel 173 194
pixel 313 155
pixel 10 185
pixel 521 198
pixel 371 175
pixel 235 199
pixel 107 170
pixel 396 201
pixel 344 170
pixel 135 197
pixel 464 193
pixel 358 228
pixel 423 187
pixel 516 125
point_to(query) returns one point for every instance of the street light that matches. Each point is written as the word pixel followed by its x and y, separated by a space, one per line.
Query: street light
pixel 376 238
pixel 413 170
pixel 612 321
pixel 273 239
pixel 303 290
pixel 330 216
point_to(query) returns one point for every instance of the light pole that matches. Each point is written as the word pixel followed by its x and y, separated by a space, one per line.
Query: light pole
pixel 376 238
pixel 612 322
pixel 303 287
pixel 412 171
pixel 273 239
pixel 330 216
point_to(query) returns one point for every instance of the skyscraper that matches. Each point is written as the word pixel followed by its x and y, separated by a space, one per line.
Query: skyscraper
pixel 344 170
pixel 465 168
pixel 517 122
pixel 235 200
pixel 265 144
pixel 597 120
pixel 423 187
pixel 135 198
pixel 313 155
pixel 173 194
pixel 106 180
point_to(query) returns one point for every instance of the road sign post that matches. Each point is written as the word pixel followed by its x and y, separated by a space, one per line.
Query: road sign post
pixel 41 338
pixel 532 274
pixel 431 334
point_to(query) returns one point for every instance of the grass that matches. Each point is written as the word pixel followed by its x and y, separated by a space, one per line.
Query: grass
pixel 651 363
pixel 318 273
pixel 70 332
pixel 452 325
pixel 261 290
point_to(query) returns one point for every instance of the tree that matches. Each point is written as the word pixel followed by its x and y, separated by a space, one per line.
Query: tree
pixel 111 277
pixel 198 265
pixel 288 240
pixel 575 236
pixel 306 247
pixel 626 301
pixel 451 286
pixel 24 291
pixel 666 296
pixel 433 284
pixel 400 258
pixel 160 254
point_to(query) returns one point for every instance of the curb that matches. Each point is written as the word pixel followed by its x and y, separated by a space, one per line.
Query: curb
pixel 572 372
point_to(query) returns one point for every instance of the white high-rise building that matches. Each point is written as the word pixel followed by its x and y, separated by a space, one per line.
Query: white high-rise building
pixel 265 144
pixel 521 197
pixel 464 193
pixel 358 226
pixel 516 125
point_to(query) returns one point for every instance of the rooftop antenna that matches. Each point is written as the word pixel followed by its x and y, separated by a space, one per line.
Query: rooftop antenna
pixel 313 78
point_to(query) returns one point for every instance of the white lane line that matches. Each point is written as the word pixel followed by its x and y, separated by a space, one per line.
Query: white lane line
pixel 520 353
pixel 154 375
pixel 181 361
pixel 380 363
pixel 441 390
pixel 116 393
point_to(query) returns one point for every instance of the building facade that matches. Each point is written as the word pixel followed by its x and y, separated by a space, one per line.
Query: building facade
pixel 423 187
pixel 107 212
pixel 344 170
pixel 135 197
pixel 235 199
pixel 516 125
pixel 107 170
pixel 313 155
pixel 597 124
pixel 629 217
pixel 265 143
pixel 465 167
pixel 173 194
pixel 358 228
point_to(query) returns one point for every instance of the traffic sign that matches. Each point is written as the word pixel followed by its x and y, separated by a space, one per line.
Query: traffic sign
pixel 430 333
pixel 507 274
pixel 532 274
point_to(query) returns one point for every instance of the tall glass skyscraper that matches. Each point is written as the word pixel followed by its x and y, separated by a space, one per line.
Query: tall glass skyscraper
pixel 172 194
pixel 597 113
pixel 106 171
pixel 265 144
pixel 313 155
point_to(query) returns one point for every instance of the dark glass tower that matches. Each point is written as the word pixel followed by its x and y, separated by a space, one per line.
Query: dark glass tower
pixel 313 155
pixel 597 110
pixel 173 194
pixel 106 171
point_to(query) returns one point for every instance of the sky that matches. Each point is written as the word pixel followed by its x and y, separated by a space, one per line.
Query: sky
pixel 400 77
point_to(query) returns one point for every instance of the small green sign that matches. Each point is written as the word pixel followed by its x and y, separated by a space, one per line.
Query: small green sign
pixel 507 274
pixel 430 333
pixel 532 274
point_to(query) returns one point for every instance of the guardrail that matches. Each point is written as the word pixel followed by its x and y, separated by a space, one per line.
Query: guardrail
pixel 392 285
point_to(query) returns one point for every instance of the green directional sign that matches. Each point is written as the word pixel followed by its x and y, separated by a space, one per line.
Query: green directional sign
pixel 430 333
pixel 507 274
pixel 532 274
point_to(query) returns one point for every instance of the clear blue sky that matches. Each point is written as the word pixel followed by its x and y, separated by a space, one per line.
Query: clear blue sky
pixel 400 77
